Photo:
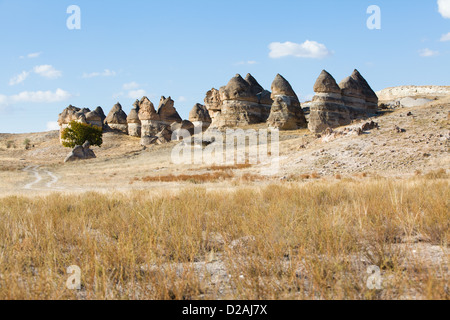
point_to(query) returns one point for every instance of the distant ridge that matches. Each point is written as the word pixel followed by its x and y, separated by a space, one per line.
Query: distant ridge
pixel 394 93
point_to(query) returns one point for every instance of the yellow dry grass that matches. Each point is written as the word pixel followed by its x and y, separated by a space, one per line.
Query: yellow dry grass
pixel 310 240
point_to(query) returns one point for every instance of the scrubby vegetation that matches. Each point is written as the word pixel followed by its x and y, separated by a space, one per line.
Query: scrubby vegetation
pixel 292 240
pixel 78 133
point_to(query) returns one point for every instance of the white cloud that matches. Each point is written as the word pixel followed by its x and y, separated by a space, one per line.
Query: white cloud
pixel 52 125
pixel 250 62
pixel 40 96
pixel 445 37
pixel 34 55
pixel 136 94
pixel 31 55
pixel 131 85
pixel 428 53
pixel 19 78
pixel 34 97
pixel 47 71
pixel 307 49
pixel 105 73
pixel 182 99
pixel 444 8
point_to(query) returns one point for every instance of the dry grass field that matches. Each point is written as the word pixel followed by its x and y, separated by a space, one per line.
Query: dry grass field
pixel 284 241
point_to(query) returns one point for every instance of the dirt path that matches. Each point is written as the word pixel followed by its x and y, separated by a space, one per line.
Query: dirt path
pixel 36 171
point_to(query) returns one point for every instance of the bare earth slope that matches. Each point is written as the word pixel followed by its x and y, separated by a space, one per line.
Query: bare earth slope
pixel 122 163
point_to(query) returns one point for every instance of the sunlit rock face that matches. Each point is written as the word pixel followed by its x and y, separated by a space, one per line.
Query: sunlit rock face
pixel 286 112
pixel 117 119
pixel 338 105
pixel 241 102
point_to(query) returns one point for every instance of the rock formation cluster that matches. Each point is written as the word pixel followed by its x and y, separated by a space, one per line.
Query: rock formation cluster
pixel 240 103
pixel 338 105
pixel 85 115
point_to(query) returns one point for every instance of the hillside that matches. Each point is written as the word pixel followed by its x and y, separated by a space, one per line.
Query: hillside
pixel 430 92
pixel 122 163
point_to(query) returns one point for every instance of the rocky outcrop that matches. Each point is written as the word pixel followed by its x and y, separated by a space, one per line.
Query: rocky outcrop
pixel 213 104
pixel 134 124
pixel 81 153
pixel 70 114
pixel 397 93
pixel 286 112
pixel 164 136
pixel 368 94
pixel 152 121
pixel 184 125
pixel 84 115
pixel 199 116
pixel 338 105
pixel 167 112
pixel 117 119
pixel 96 117
pixel 241 102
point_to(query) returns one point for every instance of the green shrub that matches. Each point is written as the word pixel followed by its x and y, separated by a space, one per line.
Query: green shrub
pixel 27 144
pixel 76 134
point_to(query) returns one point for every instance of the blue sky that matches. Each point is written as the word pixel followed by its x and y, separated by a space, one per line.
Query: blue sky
pixel 182 49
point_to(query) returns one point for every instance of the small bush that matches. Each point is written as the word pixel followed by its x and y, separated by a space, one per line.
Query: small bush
pixel 27 144
pixel 78 133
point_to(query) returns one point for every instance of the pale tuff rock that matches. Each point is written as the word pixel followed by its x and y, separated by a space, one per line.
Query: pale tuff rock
pixel 263 96
pixel 177 127
pixel 167 111
pixel 329 134
pixel 117 119
pixel 81 153
pixel 397 93
pixel 164 136
pixel 150 119
pixel 237 89
pixel 286 112
pixel 241 102
pixel 212 100
pixel 199 116
pixel 281 87
pixel 213 104
pixel 84 115
pixel 326 84
pixel 369 95
pixel 147 110
pixel 134 124
pixel 331 108
pixel 70 114
pixel 96 117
